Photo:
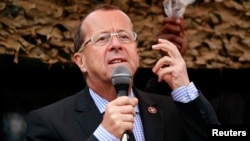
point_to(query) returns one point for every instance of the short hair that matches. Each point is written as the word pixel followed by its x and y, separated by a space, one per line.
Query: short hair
pixel 79 34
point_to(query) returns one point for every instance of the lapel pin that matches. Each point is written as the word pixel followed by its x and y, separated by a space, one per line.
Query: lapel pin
pixel 152 110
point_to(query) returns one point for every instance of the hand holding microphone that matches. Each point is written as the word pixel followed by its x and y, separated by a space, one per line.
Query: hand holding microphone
pixel 121 79
pixel 119 114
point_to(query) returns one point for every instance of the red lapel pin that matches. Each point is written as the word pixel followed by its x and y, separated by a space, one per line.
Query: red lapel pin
pixel 152 110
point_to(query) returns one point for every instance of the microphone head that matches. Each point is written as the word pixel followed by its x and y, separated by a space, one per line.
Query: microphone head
pixel 121 75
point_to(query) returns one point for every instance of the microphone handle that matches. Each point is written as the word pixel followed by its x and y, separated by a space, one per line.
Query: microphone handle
pixel 125 136
pixel 122 93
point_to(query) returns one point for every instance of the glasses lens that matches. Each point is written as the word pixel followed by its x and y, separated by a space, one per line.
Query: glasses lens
pixel 103 38
pixel 126 37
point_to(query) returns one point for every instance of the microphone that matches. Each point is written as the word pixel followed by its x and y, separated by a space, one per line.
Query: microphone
pixel 121 79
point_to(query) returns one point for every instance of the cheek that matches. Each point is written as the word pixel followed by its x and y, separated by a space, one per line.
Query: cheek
pixel 137 61
pixel 95 58
pixel 134 55
pixel 137 54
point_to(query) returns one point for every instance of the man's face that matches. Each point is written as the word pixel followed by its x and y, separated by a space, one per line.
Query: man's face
pixel 98 61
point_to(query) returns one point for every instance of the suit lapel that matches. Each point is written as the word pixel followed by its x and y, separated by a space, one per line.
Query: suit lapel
pixel 89 117
pixel 152 118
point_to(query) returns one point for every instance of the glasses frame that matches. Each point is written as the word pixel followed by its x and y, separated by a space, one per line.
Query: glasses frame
pixel 111 36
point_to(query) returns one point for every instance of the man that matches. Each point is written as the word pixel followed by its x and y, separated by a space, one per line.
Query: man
pixel 105 40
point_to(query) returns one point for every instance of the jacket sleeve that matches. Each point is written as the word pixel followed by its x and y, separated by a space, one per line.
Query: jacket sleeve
pixel 197 116
pixel 206 110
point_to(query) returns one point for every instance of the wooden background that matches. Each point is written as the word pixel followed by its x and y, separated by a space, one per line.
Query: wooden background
pixel 218 32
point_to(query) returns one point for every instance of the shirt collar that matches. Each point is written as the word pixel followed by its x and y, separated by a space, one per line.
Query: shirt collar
pixel 101 103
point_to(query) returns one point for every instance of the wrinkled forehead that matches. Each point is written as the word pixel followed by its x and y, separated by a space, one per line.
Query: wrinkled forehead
pixel 107 20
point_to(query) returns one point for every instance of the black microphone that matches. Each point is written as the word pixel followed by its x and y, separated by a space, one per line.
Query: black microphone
pixel 121 78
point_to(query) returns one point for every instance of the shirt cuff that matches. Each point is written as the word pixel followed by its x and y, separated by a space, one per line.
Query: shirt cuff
pixel 185 94
pixel 103 135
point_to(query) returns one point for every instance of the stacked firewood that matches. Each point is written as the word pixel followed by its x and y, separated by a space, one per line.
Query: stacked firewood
pixel 218 33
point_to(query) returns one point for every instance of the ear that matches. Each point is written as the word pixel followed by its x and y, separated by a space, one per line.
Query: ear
pixel 80 61
pixel 138 51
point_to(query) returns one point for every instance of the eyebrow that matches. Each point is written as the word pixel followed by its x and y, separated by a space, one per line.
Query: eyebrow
pixel 120 30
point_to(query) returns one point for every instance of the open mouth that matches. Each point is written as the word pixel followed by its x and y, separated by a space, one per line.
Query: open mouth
pixel 115 61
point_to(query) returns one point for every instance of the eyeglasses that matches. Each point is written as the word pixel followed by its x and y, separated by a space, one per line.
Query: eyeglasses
pixel 102 39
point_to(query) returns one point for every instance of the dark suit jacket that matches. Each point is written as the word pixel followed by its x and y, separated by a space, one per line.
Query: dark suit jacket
pixel 75 119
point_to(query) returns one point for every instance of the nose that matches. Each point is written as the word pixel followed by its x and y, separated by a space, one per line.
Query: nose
pixel 114 41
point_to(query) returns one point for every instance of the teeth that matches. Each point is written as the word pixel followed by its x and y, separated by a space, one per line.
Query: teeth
pixel 116 61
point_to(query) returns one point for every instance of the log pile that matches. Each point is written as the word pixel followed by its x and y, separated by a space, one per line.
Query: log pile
pixel 218 33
